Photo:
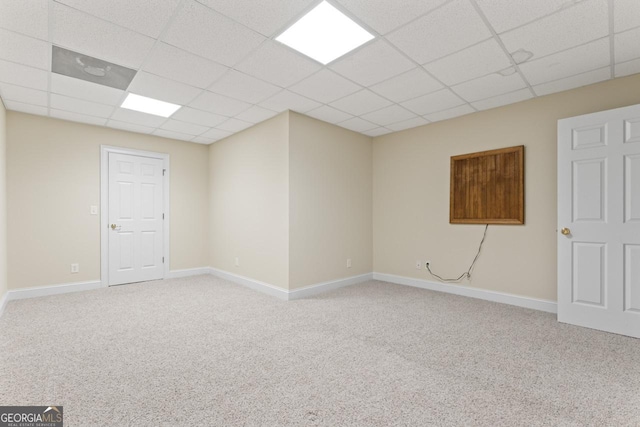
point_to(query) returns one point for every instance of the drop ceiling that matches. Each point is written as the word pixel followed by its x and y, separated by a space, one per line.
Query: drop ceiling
pixel 430 60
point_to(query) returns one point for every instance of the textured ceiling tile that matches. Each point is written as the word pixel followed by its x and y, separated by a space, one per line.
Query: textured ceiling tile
pixel 241 86
pixel 76 117
pixel 373 63
pixel 29 17
pixel 385 16
pixel 570 62
pixel 628 68
pixel 626 15
pixel 277 64
pixel 11 92
pixel 357 124
pixel 437 101
pixel 488 86
pixel 184 127
pixel 507 14
pixel 573 81
pixel 408 85
pixel 218 104
pixel 215 134
pixel 202 140
pixel 26 108
pixel 103 40
pixel 500 100
pixel 74 105
pixel 442 32
pixel 627 45
pixel 325 86
pixel 360 103
pixel 129 127
pixel 234 125
pixel 329 114
pixel 25 50
pixel 137 118
pixel 568 28
pixel 172 135
pixel 182 66
pixel 22 75
pixel 148 17
pixel 256 114
pixel 475 61
pixel 199 117
pixel 157 87
pixel 287 100
pixel 200 30
pixel 377 131
pixel 388 115
pixel 88 91
pixel 450 113
pixel 408 124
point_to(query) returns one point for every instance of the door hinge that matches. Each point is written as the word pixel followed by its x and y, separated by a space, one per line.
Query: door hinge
pixel 163 260
pixel 163 171
pixel 162 216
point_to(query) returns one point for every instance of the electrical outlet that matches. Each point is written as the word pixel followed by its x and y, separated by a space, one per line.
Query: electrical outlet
pixel 418 264
pixel 237 262
pixel 348 262
pixel 93 210
pixel 75 268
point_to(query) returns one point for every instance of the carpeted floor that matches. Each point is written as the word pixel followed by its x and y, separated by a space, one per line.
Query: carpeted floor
pixel 205 352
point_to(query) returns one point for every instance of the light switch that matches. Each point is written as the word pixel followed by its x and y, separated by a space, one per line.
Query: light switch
pixel 94 210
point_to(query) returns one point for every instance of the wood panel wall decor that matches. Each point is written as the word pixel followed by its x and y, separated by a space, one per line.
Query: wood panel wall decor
pixel 488 187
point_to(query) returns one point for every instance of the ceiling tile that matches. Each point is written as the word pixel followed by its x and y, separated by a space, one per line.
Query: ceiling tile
pixel 325 86
pixel 450 113
pixel 200 30
pixel 407 85
pixel 626 15
pixel 172 135
pixel 448 29
pixel 29 17
pixel 218 104
pixel 373 63
pixel 157 87
pixel 148 17
pixel 384 15
pixel 437 101
pixel 202 140
pixel 137 118
pixel 277 64
pixel 357 124
pixel 83 89
pixel 241 86
pixel 361 102
pixel 377 131
pixel 487 86
pixel 215 134
pixel 86 34
pixel 129 127
pixel 256 114
pixel 569 28
pixel 184 127
pixel 570 62
pixel 507 14
pixel 628 68
pixel 391 114
pixel 627 45
pixel 199 117
pixel 408 124
pixel 500 100
pixel 22 75
pixel 11 92
pixel 75 117
pixel 234 125
pixel 329 114
pixel 287 100
pixel 264 16
pixel 182 66
pixel 573 81
pixel 26 108
pixel 80 106
pixel 472 62
pixel 25 50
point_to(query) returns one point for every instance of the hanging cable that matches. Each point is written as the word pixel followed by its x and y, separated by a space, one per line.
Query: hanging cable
pixel 467 273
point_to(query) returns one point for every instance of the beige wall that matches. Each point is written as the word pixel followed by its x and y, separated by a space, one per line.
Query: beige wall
pixel 248 191
pixel 330 210
pixel 53 176
pixel 411 192
pixel 3 201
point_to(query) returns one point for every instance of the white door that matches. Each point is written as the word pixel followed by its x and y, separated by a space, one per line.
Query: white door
pixel 135 226
pixel 599 212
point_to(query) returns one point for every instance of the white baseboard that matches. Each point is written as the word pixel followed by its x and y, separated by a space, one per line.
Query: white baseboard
pixel 188 272
pixel 3 302
pixel 520 301
pixel 256 285
pixel 319 288
pixel 44 291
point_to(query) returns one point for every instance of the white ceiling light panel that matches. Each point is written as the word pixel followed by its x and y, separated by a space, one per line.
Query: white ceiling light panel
pixel 149 105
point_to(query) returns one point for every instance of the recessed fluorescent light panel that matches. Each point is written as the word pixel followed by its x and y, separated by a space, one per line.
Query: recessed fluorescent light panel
pixel 149 105
pixel 324 34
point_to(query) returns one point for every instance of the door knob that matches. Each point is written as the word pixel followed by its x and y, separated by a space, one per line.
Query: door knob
pixel 113 226
pixel 565 231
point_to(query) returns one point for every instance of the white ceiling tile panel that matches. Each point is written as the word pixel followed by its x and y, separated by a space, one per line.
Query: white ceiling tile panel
pixel 22 75
pixel 80 106
pixel 256 114
pixel 179 65
pixel 325 86
pixel 448 29
pixel 472 62
pixel 626 14
pixel 570 62
pixel 450 113
pixel 278 64
pixel 360 103
pixel 26 108
pixel 200 30
pixel 29 17
pixel 172 135
pixel 391 114
pixel 571 27
pixel 215 134
pixel 11 92
pixel 241 86
pixel 202 140
pixel 184 127
pixel 437 101
pixel 148 17
pixel 83 89
pixel 627 45
pixel 628 68
pixel 137 118
pixel 287 100
pixel 234 125
pixel 199 117
pixel 25 50
pixel 264 16
pixel 500 100
pixel 157 87
pixel 488 86
pixel 407 124
pixel 86 34
pixel 76 117
pixel 384 15
pixel 357 124
pixel 373 63
pixel 219 104
pixel 129 127
pixel 377 131
pixel 407 85
pixel 567 83
pixel 508 14
pixel 329 114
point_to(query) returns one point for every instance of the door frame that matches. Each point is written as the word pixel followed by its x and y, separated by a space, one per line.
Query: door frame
pixel 105 150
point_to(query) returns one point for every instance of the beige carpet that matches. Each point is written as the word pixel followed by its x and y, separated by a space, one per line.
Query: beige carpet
pixel 204 352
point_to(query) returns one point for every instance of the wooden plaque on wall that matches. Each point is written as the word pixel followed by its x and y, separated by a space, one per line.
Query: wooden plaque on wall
pixel 488 187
